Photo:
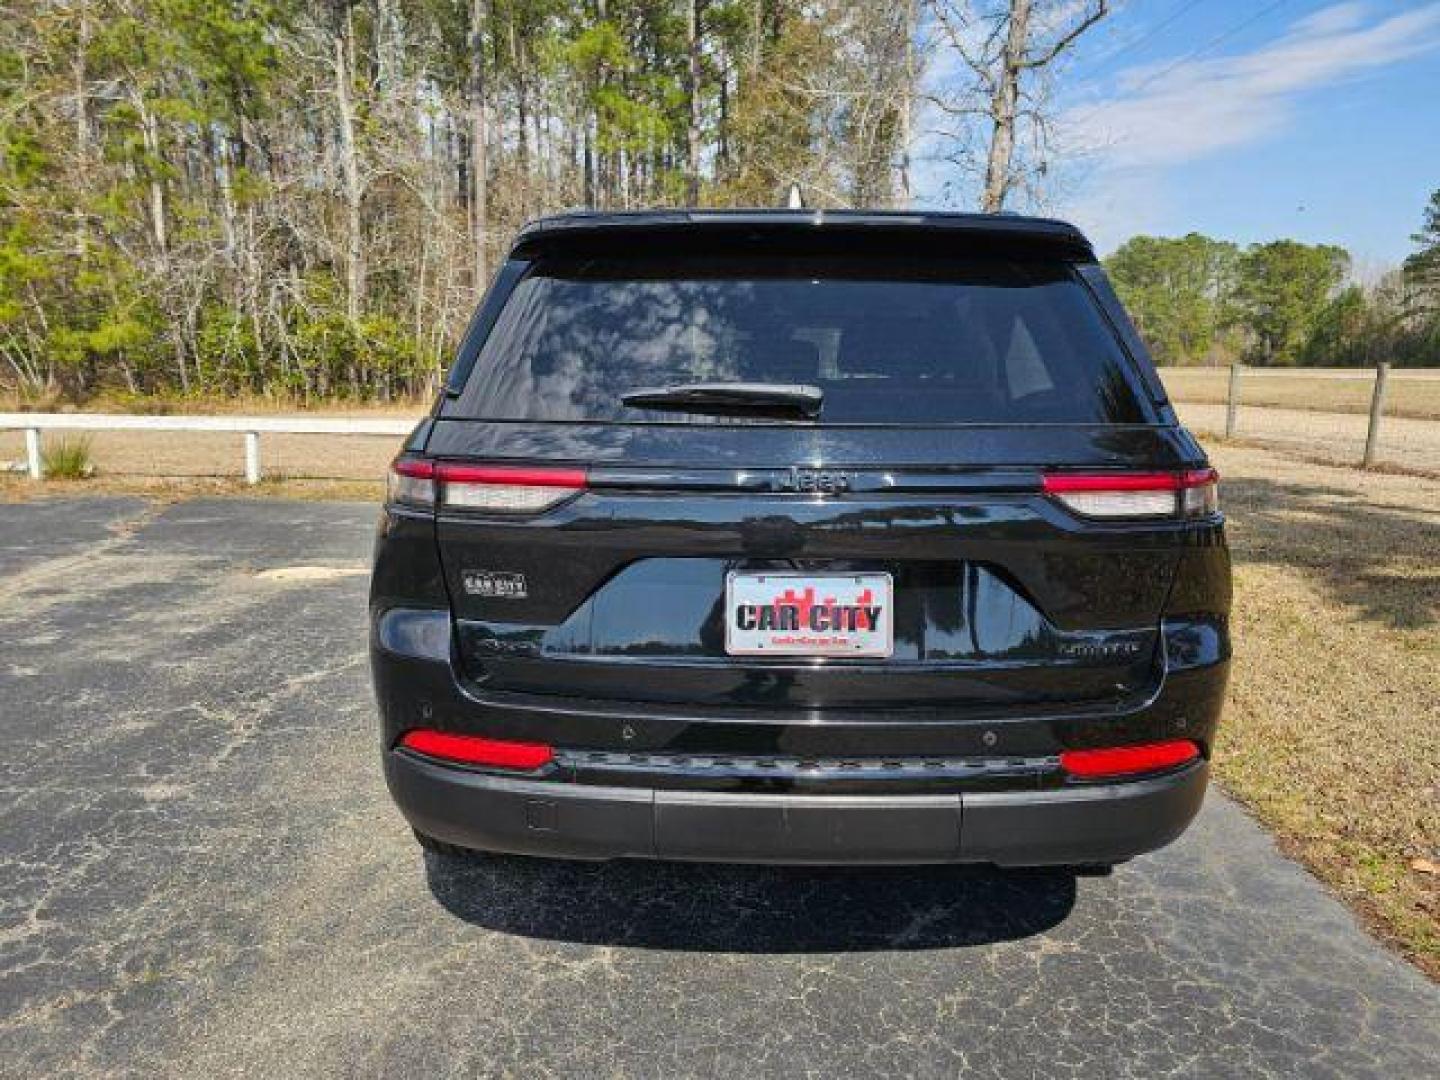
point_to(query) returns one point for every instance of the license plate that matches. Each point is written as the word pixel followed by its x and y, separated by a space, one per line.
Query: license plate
pixel 790 614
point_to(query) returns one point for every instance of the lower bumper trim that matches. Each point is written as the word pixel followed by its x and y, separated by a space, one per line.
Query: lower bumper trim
pixel 1093 823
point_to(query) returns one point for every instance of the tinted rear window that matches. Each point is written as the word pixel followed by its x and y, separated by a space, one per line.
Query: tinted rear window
pixel 947 341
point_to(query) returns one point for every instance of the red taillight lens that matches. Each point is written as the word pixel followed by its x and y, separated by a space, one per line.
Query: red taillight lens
pixel 411 481
pixel 1135 495
pixel 502 489
pixel 512 490
pixel 1128 760
pixel 473 750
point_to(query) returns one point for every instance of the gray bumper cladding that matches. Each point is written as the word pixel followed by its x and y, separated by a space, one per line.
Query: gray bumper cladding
pixel 1093 823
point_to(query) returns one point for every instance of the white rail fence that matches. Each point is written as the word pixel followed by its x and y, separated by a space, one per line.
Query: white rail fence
pixel 252 427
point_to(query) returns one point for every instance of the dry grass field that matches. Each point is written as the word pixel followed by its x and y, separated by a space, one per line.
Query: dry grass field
pixel 1331 732
pixel 1410 392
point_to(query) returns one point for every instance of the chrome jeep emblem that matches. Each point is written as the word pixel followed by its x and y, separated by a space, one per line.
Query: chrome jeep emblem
pixel 821 481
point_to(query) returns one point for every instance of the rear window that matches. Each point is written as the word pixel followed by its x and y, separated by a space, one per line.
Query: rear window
pixel 887 340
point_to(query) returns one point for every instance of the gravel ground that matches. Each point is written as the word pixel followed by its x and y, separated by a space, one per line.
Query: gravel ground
pixel 1337 437
pixel 201 875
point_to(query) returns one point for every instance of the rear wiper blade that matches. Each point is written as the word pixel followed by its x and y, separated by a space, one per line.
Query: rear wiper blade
pixel 721 398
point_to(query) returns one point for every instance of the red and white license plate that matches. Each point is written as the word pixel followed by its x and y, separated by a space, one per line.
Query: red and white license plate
pixel 789 614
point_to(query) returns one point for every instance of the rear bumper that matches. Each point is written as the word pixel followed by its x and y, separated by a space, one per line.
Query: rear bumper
pixel 1093 823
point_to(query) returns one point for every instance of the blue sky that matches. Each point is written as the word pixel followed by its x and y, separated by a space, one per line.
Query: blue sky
pixel 1315 121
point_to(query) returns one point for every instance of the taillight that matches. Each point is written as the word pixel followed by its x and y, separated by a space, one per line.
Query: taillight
pixel 506 489
pixel 1191 494
pixel 474 750
pixel 495 488
pixel 411 482
pixel 1114 761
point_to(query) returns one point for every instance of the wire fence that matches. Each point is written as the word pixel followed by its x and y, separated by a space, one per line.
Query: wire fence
pixel 1365 417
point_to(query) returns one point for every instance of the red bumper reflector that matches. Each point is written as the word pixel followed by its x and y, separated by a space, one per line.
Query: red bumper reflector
pixel 473 750
pixel 1128 760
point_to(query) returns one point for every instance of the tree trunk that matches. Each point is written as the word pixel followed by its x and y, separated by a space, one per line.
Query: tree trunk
pixel 350 170
pixel 479 163
pixel 589 167
pixel 1003 106
pixel 82 121
pixel 692 96
pixel 907 101
pixel 150 136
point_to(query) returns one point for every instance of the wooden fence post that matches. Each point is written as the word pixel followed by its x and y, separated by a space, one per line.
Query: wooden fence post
pixel 1377 410
pixel 1232 401
pixel 252 457
pixel 32 454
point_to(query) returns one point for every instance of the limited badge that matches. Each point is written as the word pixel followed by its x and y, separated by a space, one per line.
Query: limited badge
pixel 500 584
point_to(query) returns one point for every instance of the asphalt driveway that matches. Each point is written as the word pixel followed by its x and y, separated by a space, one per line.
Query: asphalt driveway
pixel 201 875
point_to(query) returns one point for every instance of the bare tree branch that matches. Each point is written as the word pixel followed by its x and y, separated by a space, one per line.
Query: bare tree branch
pixel 1093 16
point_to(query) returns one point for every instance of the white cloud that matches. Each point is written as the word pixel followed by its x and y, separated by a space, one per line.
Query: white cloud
pixel 1161 117
pixel 1166 114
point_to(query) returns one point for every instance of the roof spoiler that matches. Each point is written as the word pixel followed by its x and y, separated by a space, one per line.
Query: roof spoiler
pixel 589 229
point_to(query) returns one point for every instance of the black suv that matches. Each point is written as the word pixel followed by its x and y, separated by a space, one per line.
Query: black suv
pixel 812 537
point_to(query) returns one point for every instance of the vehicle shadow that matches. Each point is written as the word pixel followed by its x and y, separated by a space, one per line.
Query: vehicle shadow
pixel 694 907
pixel 1378 560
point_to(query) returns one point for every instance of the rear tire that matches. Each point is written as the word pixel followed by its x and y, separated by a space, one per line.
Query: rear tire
pixel 440 847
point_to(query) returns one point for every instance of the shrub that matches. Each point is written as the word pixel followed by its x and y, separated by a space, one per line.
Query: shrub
pixel 68 459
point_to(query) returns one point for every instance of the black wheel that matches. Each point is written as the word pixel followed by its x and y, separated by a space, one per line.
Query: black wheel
pixel 1092 869
pixel 440 847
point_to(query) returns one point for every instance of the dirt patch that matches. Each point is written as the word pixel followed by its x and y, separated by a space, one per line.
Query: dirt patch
pixel 1330 732
pixel 303 574
pixel 17 488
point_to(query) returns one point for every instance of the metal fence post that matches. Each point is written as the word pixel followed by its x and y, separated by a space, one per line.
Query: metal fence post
pixel 1232 401
pixel 252 457
pixel 32 454
pixel 1377 410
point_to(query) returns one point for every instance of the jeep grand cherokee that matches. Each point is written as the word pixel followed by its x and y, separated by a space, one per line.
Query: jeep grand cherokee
pixel 813 537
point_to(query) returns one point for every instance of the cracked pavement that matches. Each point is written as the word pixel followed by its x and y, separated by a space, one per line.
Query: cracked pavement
pixel 201 875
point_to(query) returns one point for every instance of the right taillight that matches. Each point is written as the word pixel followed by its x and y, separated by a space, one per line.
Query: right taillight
pixel 499 489
pixel 1190 494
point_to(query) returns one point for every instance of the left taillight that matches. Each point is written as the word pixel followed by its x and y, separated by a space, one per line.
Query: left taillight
pixel 504 489
pixel 1194 493
pixel 411 482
